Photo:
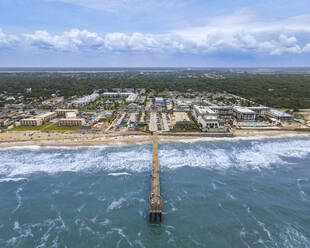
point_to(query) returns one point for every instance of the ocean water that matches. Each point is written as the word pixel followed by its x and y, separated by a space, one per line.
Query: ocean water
pixel 217 193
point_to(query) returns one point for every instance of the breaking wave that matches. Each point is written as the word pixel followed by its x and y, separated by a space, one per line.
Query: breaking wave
pixel 122 160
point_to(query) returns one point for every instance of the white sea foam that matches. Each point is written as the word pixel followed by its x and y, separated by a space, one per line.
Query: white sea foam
pixel 292 238
pixel 119 174
pixel 8 179
pixel 250 154
pixel 116 204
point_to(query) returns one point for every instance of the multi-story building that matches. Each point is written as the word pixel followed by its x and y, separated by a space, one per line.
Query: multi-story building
pixel 280 115
pixel 209 122
pixel 243 113
pixel 132 98
pixel 259 111
pixel 47 116
pixel 222 110
pixel 207 118
pixel 71 122
pixel 4 122
pixel 31 122
pixel 85 100
pixel 62 112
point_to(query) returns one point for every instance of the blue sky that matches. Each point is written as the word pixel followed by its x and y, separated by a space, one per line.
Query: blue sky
pixel 154 33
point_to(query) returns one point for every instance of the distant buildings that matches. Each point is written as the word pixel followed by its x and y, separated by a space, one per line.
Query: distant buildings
pixel 53 101
pixel 83 101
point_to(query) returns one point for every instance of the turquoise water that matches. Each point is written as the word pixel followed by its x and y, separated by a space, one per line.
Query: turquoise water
pixel 217 193
pixel 253 124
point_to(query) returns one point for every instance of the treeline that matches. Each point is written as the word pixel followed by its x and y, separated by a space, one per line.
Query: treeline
pixel 282 90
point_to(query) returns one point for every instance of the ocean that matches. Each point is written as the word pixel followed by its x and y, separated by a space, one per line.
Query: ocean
pixel 216 193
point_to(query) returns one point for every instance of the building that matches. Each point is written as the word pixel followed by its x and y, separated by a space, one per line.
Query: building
pixel 280 115
pixel 71 122
pixel 207 118
pixel 202 110
pixel 132 98
pixel 181 105
pixel 210 122
pixel 47 116
pixel 222 110
pixel 243 113
pixel 85 100
pixel 4 122
pixel 116 94
pixel 159 101
pixel 31 122
pixel 62 112
pixel 70 115
pixel 132 106
pixel 53 101
pixel 259 111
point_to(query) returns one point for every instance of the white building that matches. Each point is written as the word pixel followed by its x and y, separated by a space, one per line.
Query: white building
pixel 62 112
pixel 70 115
pixel 209 121
pixel 280 115
pixel 4 122
pixel 85 100
pixel 71 122
pixel 222 110
pixel 31 122
pixel 116 94
pixel 202 110
pixel 261 111
pixel 47 116
pixel 132 98
pixel 243 113
pixel 207 118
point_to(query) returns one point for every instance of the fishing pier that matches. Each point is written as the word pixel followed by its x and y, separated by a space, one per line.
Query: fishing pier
pixel 155 203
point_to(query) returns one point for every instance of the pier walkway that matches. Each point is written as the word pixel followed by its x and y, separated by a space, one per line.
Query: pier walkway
pixel 155 204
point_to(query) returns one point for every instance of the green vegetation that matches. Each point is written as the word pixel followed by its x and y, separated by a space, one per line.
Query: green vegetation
pixel 110 119
pixel 282 90
pixel 49 126
pixel 55 127
pixel 187 128
pixel 31 128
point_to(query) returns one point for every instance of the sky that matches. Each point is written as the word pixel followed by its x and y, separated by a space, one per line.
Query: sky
pixel 154 33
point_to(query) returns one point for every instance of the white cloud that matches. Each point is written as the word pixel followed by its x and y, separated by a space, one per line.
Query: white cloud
pixel 73 40
pixel 7 41
pixel 307 48
pixel 239 32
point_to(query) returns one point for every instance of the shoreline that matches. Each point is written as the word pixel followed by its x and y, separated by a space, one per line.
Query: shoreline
pixel 71 140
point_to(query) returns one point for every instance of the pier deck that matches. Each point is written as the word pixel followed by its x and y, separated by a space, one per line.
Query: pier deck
pixel 155 204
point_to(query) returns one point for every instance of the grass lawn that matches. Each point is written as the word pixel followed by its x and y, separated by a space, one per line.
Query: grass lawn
pixel 49 126
pixel 55 127
pixel 30 128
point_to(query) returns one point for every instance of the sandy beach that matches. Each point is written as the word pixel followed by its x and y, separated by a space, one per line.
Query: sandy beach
pixel 37 138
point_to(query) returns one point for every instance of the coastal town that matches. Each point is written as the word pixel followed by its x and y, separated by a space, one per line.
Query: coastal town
pixel 139 111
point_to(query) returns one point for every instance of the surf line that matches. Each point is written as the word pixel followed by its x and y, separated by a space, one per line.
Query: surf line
pixel 155 200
